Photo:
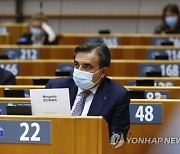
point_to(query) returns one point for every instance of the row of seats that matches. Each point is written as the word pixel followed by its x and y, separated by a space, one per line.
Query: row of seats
pixel 125 69
pixel 121 70
pixel 117 68
pixel 140 92
pixel 13 31
pixel 158 81
pixel 10 32
pixel 65 52
pixel 71 39
pixel 143 131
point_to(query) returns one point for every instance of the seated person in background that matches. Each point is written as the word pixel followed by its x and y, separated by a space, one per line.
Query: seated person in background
pixel 170 20
pixel 40 34
pixel 92 93
pixel 6 77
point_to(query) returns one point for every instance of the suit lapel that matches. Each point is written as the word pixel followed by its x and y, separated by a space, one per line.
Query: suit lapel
pixel 100 98
pixel 72 92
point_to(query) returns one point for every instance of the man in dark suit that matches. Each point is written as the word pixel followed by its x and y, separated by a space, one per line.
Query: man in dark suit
pixel 6 77
pixel 105 97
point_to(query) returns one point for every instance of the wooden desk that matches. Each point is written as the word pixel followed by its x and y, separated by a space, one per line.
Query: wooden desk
pixel 21 100
pixel 125 39
pixel 124 80
pixel 48 67
pixel 23 87
pixel 89 15
pixel 4 39
pixel 174 90
pixel 169 128
pixel 28 80
pixel 15 30
pixel 66 51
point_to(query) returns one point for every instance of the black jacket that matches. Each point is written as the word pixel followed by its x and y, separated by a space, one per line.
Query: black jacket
pixel 26 39
pixel 163 28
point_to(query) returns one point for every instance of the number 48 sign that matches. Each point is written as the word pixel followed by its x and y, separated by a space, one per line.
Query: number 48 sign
pixel 146 113
pixel 147 116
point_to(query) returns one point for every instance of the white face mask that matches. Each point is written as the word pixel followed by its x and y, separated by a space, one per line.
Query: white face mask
pixel 171 21
pixel 83 79
pixel 36 31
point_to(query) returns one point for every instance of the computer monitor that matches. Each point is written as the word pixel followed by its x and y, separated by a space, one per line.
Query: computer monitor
pixel 154 74
pixel 4 57
pixel 40 81
pixel 161 57
pixel 14 93
pixel 104 31
pixel 144 82
pixel 167 43
pixel 19 109
pixel 62 73
pixel 137 94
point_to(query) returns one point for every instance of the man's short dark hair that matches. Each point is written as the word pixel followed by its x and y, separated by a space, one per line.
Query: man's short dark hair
pixel 101 49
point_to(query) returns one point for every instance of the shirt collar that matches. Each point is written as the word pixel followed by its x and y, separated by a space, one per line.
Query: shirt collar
pixel 93 90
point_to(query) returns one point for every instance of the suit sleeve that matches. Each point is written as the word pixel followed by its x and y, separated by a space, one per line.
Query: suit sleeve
pixel 120 121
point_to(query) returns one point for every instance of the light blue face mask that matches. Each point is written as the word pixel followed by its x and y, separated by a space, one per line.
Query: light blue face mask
pixel 83 79
pixel 36 31
pixel 171 21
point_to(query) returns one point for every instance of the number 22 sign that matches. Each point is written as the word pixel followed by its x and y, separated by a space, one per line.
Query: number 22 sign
pixel 145 113
pixel 18 131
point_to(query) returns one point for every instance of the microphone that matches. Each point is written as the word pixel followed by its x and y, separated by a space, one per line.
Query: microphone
pixel 41 7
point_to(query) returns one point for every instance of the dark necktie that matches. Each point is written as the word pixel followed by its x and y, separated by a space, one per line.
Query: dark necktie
pixel 80 104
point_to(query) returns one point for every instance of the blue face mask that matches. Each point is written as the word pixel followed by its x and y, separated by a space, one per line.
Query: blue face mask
pixel 36 31
pixel 171 21
pixel 83 79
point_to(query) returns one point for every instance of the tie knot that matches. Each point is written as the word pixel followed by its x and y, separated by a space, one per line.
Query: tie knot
pixel 85 94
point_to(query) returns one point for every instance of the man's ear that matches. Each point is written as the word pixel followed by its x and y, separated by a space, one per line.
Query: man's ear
pixel 104 71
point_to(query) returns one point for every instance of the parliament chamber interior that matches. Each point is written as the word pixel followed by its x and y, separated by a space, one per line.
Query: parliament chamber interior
pixel 145 59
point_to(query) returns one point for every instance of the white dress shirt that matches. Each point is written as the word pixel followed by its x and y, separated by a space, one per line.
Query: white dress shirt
pixel 88 100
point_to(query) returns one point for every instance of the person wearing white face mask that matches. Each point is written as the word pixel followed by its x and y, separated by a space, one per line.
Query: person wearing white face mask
pixel 170 20
pixel 40 32
pixel 100 95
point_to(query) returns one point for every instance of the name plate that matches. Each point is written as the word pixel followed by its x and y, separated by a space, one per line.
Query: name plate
pixel 165 69
pixel 146 113
pixel 3 108
pixel 66 67
pixel 166 40
pixel 12 67
pixel 3 30
pixel 164 83
pixel 171 53
pixel 25 131
pixel 114 41
pixel 157 94
pixel 156 83
pixel 23 53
